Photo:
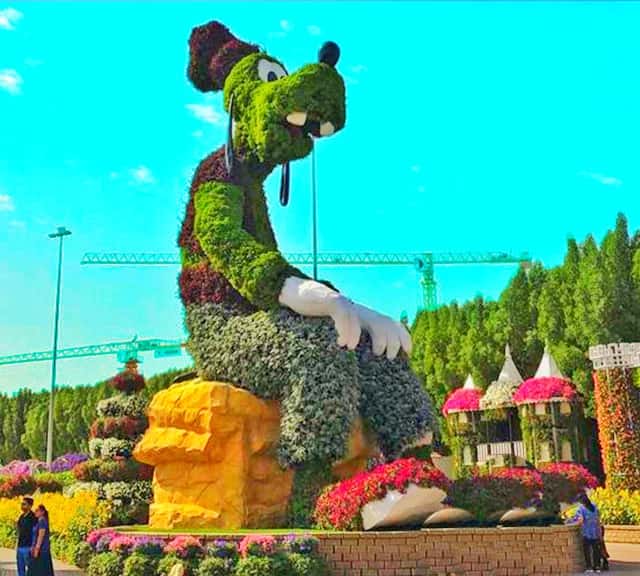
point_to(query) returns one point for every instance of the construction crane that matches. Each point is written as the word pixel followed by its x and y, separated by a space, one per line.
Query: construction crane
pixel 423 262
pixel 124 351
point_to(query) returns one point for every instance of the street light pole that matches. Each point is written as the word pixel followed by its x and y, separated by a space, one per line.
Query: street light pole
pixel 314 212
pixel 60 233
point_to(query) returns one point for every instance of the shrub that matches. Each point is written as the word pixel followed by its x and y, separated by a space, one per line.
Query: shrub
pixel 67 462
pixel 257 545
pixel 123 427
pixel 305 565
pixel 82 554
pixel 254 566
pixel 185 547
pixel 300 544
pixel 563 482
pixel 116 470
pixel 339 506
pixel 121 405
pixel 166 563
pixel 121 544
pixel 47 482
pixel 128 382
pixel 23 468
pixel 110 447
pixel 139 565
pixel 148 546
pixel 108 564
pixel 104 535
pixel 19 485
pixel 223 549
pixel 463 400
pixel 215 567
pixel 618 506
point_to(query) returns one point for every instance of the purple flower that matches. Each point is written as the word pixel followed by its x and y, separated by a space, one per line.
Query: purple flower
pixel 67 462
pixel 148 546
pixel 223 549
pixel 299 544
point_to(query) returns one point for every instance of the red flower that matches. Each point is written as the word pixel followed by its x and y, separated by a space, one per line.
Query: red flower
pixel 544 389
pixel 339 506
pixel 462 400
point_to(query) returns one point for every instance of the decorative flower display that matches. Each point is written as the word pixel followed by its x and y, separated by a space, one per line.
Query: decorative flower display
pixel 544 390
pixel 23 468
pixel 462 400
pixel 67 462
pixel 297 544
pixel 148 546
pixel 339 506
pixel 121 544
pixel 223 549
pixel 617 401
pixel 498 395
pixel 257 545
pixel 564 481
pixel 128 382
pixel 185 547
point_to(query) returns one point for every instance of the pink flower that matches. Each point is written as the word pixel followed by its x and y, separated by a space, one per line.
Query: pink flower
pixel 94 536
pixel 185 547
pixel 544 389
pixel 122 544
pixel 462 400
pixel 257 545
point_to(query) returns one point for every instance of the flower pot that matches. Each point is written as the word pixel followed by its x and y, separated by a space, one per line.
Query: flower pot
pixel 398 509
pixel 519 515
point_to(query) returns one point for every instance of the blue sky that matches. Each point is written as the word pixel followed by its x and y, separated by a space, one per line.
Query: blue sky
pixel 487 126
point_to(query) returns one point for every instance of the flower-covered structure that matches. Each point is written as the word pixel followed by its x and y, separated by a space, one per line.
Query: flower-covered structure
pixel 551 416
pixel 113 435
pixel 251 324
pixel 500 417
pixel 617 400
pixel 462 412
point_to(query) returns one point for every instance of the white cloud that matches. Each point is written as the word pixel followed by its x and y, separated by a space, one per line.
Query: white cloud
pixel 8 17
pixel 10 81
pixel 6 203
pixel 286 25
pixel 205 113
pixel 602 178
pixel 143 175
pixel 17 224
pixel 314 30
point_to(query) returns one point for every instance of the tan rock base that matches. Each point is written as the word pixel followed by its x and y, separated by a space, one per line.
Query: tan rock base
pixel 214 451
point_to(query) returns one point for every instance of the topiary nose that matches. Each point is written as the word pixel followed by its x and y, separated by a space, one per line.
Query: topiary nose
pixel 329 54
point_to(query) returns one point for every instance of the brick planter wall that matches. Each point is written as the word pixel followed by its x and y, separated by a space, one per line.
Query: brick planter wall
pixel 622 534
pixel 529 551
pixel 470 552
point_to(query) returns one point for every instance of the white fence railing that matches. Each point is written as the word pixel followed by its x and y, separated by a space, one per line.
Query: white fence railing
pixel 488 451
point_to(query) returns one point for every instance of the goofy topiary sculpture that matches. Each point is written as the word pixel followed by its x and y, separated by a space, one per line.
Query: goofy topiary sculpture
pixel 255 321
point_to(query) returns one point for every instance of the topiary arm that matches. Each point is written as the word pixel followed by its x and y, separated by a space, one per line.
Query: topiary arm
pixel 253 269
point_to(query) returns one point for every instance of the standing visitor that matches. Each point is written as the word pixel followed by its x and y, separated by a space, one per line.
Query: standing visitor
pixel 588 516
pixel 41 562
pixel 26 522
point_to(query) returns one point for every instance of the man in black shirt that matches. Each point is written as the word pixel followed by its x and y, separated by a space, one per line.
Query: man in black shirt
pixel 26 522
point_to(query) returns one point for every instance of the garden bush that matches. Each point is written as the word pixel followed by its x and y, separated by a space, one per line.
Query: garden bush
pixel 215 567
pixel 107 564
pixel 140 565
pixel 255 566
pixel 305 565
pixel 67 462
pixel 123 427
pixel 563 482
pixel 618 506
pixel 121 405
pixel 19 485
pixel 166 563
pixel 82 554
pixel 116 470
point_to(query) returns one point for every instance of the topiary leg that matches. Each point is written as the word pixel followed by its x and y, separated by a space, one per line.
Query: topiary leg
pixel 392 402
pixel 281 355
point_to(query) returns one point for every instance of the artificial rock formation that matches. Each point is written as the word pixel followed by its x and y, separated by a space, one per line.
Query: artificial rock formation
pixel 214 451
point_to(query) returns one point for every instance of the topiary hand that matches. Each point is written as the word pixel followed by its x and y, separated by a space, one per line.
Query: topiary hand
pixel 310 298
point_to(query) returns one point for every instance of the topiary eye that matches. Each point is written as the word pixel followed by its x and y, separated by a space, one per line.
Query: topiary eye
pixel 269 71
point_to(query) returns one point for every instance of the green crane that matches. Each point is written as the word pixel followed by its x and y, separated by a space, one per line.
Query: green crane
pixel 127 350
pixel 423 262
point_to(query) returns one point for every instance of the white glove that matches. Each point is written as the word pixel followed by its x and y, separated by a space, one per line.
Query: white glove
pixel 310 298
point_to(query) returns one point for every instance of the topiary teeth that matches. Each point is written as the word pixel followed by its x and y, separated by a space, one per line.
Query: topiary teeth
pixel 297 118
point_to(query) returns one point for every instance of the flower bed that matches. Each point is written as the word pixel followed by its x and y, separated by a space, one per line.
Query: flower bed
pixel 107 553
pixel 544 390
pixel 620 507
pixel 563 482
pixel 340 505
pixel 462 400
pixel 71 519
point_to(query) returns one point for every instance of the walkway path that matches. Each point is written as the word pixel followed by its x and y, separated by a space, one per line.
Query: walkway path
pixel 8 565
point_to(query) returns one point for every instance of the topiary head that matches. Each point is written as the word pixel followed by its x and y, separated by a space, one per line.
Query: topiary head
pixel 275 114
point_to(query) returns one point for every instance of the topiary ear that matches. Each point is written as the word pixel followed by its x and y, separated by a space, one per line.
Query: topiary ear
pixel 213 51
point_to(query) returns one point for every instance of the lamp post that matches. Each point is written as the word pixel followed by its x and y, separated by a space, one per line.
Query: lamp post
pixel 314 212
pixel 60 233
